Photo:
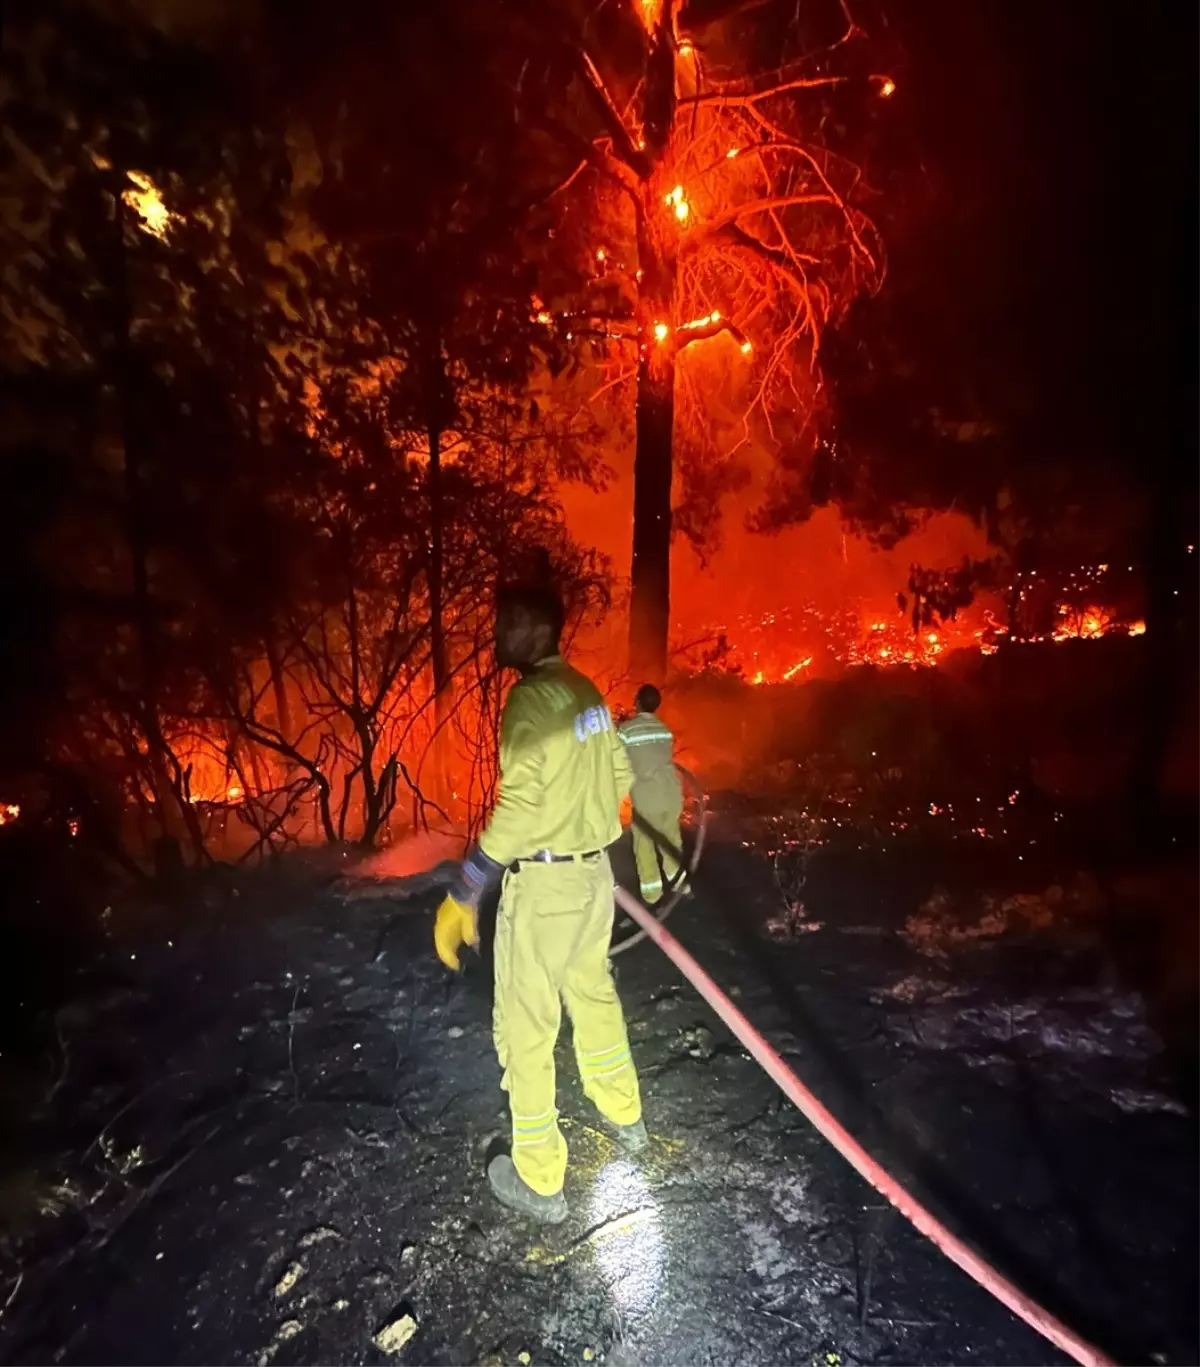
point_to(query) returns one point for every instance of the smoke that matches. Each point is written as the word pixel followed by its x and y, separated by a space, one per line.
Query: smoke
pixel 419 853
pixel 819 562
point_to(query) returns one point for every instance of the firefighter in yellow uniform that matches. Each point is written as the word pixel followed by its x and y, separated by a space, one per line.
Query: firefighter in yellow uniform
pixel 563 776
pixel 657 797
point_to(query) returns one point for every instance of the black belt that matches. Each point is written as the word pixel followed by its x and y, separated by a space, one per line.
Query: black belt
pixel 546 857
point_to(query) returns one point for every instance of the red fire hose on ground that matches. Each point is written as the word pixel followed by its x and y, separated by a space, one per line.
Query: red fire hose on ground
pixel 953 1247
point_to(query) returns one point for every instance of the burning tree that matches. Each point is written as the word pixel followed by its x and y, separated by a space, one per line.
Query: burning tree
pixel 721 230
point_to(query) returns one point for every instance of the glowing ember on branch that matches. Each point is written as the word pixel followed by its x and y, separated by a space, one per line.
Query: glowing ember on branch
pixel 9 812
pixel 796 668
pixel 145 199
pixel 650 10
pixel 661 332
pixel 887 87
pixel 676 200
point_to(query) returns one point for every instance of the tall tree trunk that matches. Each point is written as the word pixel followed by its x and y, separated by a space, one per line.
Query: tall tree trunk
pixel 437 630
pixel 657 235
pixel 650 606
pixel 325 809
pixel 175 813
pixel 440 763
pixel 441 414
pixel 283 711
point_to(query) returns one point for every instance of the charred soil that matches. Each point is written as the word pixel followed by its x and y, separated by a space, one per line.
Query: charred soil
pixel 262 1142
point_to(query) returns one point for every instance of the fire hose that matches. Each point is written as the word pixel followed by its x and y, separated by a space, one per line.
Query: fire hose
pixel 831 1129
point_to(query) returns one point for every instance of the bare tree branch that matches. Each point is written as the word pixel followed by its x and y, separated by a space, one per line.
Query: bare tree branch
pixel 711 226
pixel 594 154
pixel 744 99
pixel 605 106
pixel 562 185
pixel 700 332
pixel 785 144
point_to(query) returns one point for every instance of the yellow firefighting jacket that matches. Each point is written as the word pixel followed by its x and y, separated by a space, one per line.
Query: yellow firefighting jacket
pixel 651 748
pixel 563 770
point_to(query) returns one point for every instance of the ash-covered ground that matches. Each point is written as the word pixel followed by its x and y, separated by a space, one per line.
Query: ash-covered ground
pixel 257 1142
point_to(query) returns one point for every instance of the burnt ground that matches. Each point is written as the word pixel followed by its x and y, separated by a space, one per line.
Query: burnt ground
pixel 257 1144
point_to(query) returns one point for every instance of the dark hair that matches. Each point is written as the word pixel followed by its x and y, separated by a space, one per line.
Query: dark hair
pixel 648 699
pixel 538 602
pixel 529 621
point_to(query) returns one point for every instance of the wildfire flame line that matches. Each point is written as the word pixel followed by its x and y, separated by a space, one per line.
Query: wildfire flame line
pixel 885 644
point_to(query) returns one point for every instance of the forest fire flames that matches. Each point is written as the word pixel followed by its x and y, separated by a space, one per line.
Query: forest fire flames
pixel 344 458
pixel 784 647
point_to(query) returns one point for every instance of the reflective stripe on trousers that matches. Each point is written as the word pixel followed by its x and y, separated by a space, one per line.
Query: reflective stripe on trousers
pixel 552 941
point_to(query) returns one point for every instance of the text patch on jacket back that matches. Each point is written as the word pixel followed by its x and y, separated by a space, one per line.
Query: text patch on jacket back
pixel 591 722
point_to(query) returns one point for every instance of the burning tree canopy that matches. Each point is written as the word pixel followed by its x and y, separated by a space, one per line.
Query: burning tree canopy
pixel 709 200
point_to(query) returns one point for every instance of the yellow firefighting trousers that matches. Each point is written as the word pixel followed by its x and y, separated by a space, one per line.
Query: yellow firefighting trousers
pixel 552 941
pixel 656 867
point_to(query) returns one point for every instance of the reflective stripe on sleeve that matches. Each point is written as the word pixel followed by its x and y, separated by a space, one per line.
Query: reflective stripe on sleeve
pixel 647 737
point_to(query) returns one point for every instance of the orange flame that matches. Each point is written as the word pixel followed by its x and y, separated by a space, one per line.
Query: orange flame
pixel 765 650
pixel 677 201
pixel 650 11
pixel 146 201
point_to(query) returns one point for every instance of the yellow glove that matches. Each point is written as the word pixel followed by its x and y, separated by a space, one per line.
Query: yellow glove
pixel 454 927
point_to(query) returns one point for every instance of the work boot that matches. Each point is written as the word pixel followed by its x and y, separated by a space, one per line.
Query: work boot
pixel 512 1189
pixel 632 1138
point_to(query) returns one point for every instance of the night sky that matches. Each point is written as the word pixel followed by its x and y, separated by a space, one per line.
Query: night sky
pixel 1055 205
